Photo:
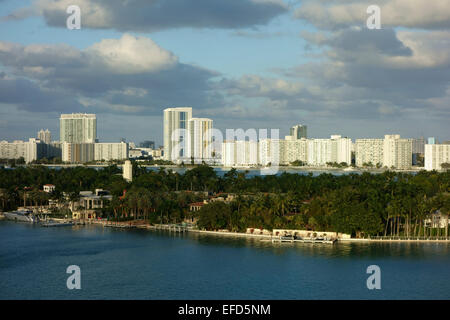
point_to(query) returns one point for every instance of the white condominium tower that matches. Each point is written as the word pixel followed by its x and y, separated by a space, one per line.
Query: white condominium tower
pixel 44 136
pixel 175 121
pixel 200 139
pixel 299 131
pixel 369 151
pixel 336 149
pixel 436 155
pixel 127 171
pixel 397 153
pixel 78 128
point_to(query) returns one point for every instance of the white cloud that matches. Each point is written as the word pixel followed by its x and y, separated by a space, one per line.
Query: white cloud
pixel 129 55
pixel 333 14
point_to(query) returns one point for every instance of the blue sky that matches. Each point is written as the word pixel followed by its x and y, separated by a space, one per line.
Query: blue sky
pixel 277 65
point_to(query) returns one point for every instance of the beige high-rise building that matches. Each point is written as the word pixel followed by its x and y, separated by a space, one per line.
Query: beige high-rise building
pixel 176 144
pixel 397 152
pixel 78 128
pixel 336 149
pixel 30 150
pixel 293 150
pixel 200 139
pixel 299 132
pixel 369 151
pixel 270 151
pixel 44 136
pixel 436 155
pixel 229 153
pixel 111 151
pixel 78 152
pixel 127 171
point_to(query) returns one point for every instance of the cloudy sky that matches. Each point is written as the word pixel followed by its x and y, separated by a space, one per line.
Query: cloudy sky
pixel 243 63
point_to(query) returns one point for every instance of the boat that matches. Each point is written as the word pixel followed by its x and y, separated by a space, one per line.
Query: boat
pixel 23 215
pixel 304 240
pixel 57 224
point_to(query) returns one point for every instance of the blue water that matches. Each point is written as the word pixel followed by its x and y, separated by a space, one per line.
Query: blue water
pixel 124 264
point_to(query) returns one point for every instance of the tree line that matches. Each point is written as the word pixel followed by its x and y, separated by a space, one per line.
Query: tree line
pixel 388 203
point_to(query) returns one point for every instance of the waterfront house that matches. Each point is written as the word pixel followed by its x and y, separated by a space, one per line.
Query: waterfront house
pixel 49 188
pixel 437 220
pixel 88 204
pixel 196 206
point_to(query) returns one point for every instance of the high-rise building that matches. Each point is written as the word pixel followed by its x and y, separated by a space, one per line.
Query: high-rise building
pixel 418 145
pixel 293 150
pixel 397 152
pixel 127 171
pixel 78 152
pixel 299 131
pixel 341 149
pixel 175 133
pixel 111 151
pixel 229 153
pixel 246 153
pixel 436 155
pixel 78 128
pixel 369 151
pixel 30 150
pixel 200 142
pixel 270 152
pixel 319 151
pixel 322 151
pixel 44 136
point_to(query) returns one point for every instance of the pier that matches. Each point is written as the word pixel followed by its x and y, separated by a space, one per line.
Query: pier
pixel 303 240
pixel 167 227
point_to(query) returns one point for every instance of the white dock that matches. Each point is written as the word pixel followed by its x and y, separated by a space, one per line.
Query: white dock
pixel 303 240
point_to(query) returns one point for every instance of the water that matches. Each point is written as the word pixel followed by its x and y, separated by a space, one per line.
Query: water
pixel 124 264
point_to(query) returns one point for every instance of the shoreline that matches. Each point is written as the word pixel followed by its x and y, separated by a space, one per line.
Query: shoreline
pixel 122 225
pixel 264 236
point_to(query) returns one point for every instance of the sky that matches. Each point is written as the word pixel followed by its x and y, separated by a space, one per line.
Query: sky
pixel 243 63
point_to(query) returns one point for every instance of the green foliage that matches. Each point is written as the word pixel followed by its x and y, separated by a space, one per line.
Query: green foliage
pixel 364 204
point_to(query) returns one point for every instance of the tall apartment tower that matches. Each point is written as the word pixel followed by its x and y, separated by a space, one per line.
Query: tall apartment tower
pixel 436 155
pixel 299 131
pixel 369 151
pixel 176 122
pixel 397 152
pixel 127 171
pixel 44 136
pixel 200 138
pixel 78 128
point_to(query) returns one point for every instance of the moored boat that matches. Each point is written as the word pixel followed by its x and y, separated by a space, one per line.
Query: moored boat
pixel 23 215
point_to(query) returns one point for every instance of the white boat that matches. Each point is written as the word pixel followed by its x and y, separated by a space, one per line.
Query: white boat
pixel 57 224
pixel 23 215
pixel 304 240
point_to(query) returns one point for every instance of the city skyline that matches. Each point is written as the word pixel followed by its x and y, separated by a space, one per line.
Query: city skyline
pixel 258 64
pixel 283 131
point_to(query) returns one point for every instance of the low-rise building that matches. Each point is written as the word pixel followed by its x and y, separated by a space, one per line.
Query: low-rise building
pixel 49 188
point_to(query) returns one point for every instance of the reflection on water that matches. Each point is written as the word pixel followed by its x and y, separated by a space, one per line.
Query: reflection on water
pixel 412 250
